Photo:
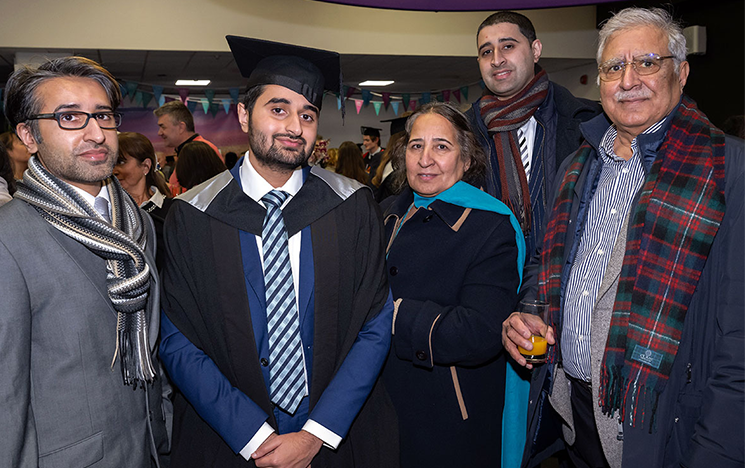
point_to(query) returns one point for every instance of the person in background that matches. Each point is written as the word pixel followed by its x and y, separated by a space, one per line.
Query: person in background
pixel 230 159
pixel 333 159
pixel 349 162
pixel 371 143
pixel 135 169
pixel 381 184
pixel 176 128
pixel 7 182
pixel 196 164
pixel 17 152
pixel 643 267
pixel 455 259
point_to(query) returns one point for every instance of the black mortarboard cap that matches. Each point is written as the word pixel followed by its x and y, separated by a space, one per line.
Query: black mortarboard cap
pixel 301 69
pixel 398 124
pixel 370 131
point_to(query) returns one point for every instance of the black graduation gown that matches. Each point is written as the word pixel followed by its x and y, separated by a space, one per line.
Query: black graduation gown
pixel 205 297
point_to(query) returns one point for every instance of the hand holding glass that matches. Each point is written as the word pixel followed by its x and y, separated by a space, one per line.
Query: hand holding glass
pixel 537 355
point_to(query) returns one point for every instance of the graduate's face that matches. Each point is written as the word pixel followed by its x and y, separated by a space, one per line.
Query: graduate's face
pixel 282 128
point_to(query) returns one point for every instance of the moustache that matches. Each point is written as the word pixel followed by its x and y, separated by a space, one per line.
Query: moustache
pixel 634 94
pixel 289 137
pixel 95 147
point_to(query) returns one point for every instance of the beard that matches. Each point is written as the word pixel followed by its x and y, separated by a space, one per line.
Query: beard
pixel 71 169
pixel 277 158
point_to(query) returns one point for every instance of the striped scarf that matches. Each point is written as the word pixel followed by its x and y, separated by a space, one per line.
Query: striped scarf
pixel 121 244
pixel 671 230
pixel 502 120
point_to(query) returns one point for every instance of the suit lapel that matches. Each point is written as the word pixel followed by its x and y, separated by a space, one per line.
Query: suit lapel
pixel 307 279
pixel 92 266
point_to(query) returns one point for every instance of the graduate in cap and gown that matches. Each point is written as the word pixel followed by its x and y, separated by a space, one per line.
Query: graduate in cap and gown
pixel 371 142
pixel 277 312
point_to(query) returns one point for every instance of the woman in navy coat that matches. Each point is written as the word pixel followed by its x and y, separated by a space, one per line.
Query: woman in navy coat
pixel 454 258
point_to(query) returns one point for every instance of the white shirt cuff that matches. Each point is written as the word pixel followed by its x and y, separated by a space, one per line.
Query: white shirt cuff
pixel 329 439
pixel 261 435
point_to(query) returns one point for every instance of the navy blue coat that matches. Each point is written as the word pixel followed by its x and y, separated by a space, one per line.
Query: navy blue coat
pixel 456 272
pixel 701 413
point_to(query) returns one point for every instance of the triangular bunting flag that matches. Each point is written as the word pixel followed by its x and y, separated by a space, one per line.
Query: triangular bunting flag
pixel 183 94
pixel 464 92
pixel 349 90
pixel 338 102
pixel 191 105
pixel 205 105
pixel 456 93
pixel 445 95
pixel 366 96
pixel 426 97
pixel 386 99
pixel 214 109
pixel 395 104
pixel 123 90
pixel 441 97
pixel 161 100
pixel 131 88
pixel 235 94
pixel 406 98
pixel 358 104
pixel 226 105
pixel 412 105
pixel 210 93
pixel 376 105
pixel 482 84
pixel 157 91
pixel 146 97
pixel 138 97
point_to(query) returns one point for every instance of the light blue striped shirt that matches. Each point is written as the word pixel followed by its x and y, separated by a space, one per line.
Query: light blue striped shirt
pixel 618 184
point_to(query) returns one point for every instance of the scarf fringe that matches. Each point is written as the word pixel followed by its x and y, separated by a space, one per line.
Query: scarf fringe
pixel 616 390
pixel 133 349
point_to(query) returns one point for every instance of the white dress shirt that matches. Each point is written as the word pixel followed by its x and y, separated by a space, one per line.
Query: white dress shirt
pixel 528 130
pixel 256 187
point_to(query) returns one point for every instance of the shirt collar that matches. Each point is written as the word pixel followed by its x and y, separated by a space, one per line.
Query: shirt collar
pixel 103 193
pixel 188 140
pixel 609 138
pixel 256 186
pixel 157 198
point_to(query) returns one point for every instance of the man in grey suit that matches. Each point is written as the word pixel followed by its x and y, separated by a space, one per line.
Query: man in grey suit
pixel 78 288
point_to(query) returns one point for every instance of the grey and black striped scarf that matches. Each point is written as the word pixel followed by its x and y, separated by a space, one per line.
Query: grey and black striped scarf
pixel 121 243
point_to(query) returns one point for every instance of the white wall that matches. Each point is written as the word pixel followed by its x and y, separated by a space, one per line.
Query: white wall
pixel 201 25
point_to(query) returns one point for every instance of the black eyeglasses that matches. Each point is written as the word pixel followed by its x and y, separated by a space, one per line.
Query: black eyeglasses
pixel 76 120
pixel 642 64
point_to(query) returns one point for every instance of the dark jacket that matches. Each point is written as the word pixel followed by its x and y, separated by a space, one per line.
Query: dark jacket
pixel 700 414
pixel 455 270
pixel 557 136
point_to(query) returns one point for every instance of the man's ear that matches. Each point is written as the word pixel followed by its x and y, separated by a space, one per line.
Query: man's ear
pixel 182 127
pixel 242 116
pixel 536 47
pixel 27 138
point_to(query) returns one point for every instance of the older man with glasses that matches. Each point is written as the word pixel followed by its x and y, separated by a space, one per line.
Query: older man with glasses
pixel 643 269
pixel 79 291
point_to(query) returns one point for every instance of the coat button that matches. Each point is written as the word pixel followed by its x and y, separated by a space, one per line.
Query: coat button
pixel 421 355
pixel 264 362
pixel 427 218
pixel 394 271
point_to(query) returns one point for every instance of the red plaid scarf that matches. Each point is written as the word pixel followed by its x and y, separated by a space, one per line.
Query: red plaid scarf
pixel 502 119
pixel 671 230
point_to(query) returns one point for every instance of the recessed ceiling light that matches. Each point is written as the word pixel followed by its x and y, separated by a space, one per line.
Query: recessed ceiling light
pixel 376 83
pixel 192 82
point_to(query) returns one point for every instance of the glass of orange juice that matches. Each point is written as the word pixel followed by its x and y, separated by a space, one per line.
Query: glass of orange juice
pixel 537 355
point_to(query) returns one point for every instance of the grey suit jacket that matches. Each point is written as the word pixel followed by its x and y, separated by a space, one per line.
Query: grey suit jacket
pixel 62 402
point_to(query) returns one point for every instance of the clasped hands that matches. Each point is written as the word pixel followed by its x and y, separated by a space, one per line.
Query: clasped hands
pixel 293 450
pixel 516 331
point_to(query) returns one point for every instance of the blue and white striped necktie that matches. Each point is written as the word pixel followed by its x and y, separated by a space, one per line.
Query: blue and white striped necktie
pixel 286 372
